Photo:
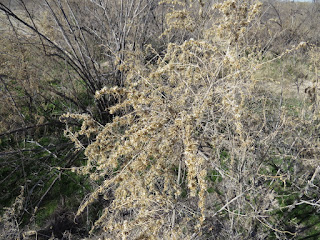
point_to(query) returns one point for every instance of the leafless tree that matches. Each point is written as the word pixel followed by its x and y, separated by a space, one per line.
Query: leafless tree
pixel 92 37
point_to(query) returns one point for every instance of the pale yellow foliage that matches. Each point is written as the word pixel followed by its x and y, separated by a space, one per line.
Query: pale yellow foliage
pixel 194 96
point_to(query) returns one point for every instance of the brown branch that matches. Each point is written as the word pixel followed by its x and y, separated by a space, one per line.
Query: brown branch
pixel 48 189
pixel 23 129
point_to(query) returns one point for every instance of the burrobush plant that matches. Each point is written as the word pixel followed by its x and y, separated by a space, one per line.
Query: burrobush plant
pixel 193 144
pixel 198 149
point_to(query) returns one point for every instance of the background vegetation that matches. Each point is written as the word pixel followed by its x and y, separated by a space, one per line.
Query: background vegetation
pixel 147 119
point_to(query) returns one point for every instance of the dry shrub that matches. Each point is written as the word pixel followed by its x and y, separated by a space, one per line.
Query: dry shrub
pixel 197 150
pixel 287 23
pixel 33 85
pixel 11 218
pixel 54 55
pixel 91 38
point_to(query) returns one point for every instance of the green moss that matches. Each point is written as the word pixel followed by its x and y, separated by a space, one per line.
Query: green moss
pixel 214 176
pixel 210 190
pixel 184 193
pixel 45 212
